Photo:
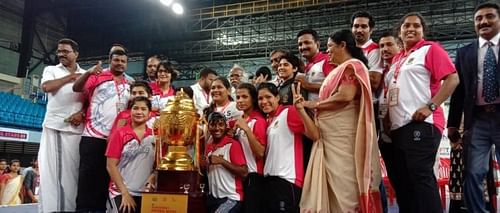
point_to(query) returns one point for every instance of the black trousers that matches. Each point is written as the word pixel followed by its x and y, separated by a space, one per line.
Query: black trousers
pixel 415 148
pixel 93 178
pixel 253 186
pixel 281 195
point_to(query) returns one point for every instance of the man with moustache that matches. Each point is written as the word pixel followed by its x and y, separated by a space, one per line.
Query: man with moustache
pixel 61 131
pixel 151 66
pixel 477 97
pixel 201 89
pixel 317 66
pixel 108 93
pixel 362 25
pixel 389 47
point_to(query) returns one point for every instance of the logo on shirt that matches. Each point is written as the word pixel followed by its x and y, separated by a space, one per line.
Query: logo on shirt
pixel 416 135
pixel 410 61
pixel 275 125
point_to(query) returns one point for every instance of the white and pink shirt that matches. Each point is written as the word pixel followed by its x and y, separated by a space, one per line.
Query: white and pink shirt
pixel 136 157
pixel 223 183
pixel 316 71
pixel 284 155
pixel 106 99
pixel 417 74
pixel 160 98
pixel 258 125
pixel 372 53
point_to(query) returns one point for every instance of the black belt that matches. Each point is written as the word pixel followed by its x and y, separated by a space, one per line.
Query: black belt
pixel 490 108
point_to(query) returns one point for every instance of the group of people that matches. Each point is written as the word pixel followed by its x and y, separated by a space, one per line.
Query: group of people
pixel 18 187
pixel 306 140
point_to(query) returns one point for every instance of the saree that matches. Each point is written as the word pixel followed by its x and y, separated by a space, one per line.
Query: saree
pixel 12 190
pixel 344 169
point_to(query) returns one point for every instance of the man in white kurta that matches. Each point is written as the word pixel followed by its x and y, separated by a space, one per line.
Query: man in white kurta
pixel 62 128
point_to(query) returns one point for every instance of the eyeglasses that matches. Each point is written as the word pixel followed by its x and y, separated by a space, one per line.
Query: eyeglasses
pixel 64 52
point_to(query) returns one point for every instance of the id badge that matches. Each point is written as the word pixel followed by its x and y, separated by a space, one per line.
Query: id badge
pixel 382 109
pixel 393 97
pixel 120 107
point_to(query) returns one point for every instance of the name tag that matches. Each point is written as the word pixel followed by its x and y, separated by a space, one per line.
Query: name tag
pixel 393 97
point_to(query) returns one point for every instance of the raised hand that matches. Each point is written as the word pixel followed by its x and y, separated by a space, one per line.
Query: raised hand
pixel 298 100
pixel 97 69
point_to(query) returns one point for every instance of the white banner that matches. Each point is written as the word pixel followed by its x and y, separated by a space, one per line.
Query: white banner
pixel 9 134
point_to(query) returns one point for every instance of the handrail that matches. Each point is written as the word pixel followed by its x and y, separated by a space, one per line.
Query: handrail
pixel 254 7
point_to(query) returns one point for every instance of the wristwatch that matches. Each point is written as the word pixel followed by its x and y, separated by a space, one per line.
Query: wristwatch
pixel 432 106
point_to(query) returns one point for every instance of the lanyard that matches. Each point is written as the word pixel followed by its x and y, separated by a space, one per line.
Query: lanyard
pixel 206 95
pixel 118 92
pixel 224 107
pixel 399 64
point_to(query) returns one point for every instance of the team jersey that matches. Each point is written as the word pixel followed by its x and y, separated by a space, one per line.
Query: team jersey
pixel 316 71
pixel 258 125
pixel 223 183
pixel 106 99
pixel 284 155
pixel 136 158
pixel 417 74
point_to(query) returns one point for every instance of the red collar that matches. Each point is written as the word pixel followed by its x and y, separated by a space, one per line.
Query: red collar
pixel 320 56
pixel 222 142
pixel 405 53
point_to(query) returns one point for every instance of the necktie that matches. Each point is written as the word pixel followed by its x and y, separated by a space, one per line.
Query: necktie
pixel 490 83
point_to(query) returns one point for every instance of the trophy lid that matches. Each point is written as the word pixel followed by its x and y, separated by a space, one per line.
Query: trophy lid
pixel 181 102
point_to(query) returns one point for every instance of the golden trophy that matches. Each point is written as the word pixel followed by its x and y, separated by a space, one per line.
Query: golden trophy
pixel 178 130
pixel 178 155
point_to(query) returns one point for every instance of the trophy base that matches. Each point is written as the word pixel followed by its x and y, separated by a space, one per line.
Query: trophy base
pixel 177 159
pixel 170 183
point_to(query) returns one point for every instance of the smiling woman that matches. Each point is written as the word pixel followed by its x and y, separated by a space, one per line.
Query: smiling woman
pixel 427 67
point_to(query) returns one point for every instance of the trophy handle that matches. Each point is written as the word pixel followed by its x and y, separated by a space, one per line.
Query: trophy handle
pixel 199 147
pixel 158 143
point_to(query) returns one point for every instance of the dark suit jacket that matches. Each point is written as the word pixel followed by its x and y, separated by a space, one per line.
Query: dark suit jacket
pixel 464 97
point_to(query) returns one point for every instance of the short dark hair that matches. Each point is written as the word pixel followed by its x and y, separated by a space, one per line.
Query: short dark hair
pixel 169 67
pixel 264 71
pixel 141 99
pixel 143 84
pixel 118 45
pixel 388 33
pixel 363 14
pixel 118 53
pixel 309 31
pixel 488 5
pixel 269 87
pixel 347 37
pixel 206 71
pixel 295 61
pixel 3 160
pixel 418 15
pixel 70 42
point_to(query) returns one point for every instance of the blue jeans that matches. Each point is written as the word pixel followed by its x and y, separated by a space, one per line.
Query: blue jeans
pixel 484 132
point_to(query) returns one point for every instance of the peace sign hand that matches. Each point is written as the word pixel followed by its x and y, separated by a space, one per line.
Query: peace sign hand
pixel 298 100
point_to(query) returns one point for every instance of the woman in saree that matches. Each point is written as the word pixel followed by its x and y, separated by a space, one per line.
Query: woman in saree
pixel 343 174
pixel 12 185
